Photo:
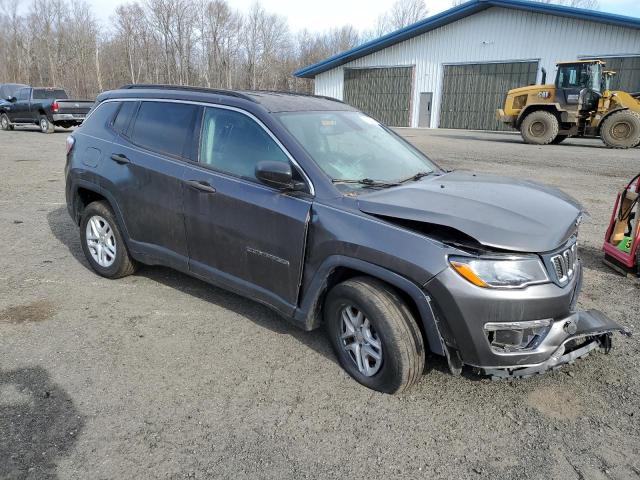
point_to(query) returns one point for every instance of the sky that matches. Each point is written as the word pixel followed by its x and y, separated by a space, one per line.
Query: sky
pixel 326 14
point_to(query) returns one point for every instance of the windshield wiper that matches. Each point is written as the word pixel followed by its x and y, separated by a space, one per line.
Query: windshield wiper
pixel 416 177
pixel 367 182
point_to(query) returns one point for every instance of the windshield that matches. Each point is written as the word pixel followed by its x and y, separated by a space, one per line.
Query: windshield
pixel 46 93
pixel 352 146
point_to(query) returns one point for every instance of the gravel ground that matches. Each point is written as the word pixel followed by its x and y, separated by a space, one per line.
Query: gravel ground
pixel 162 376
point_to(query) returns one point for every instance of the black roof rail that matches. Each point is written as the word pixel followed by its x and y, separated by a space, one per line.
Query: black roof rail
pixel 301 94
pixel 161 86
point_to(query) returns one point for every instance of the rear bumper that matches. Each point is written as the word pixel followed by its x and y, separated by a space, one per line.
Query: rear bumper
pixel 68 117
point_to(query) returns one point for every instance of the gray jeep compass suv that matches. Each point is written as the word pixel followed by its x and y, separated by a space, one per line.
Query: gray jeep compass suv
pixel 320 212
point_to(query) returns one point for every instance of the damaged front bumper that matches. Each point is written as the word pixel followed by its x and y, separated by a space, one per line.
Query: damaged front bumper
pixel 589 330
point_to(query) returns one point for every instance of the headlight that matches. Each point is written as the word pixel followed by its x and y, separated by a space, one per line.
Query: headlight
pixel 509 272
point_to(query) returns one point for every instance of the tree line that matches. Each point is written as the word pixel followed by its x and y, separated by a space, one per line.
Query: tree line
pixel 187 42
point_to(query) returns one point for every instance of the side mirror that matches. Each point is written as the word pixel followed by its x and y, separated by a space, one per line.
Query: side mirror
pixel 277 175
pixel 12 99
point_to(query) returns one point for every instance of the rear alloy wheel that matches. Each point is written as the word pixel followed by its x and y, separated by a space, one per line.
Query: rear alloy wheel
pixel 45 125
pixel 5 123
pixel 539 128
pixel 102 242
pixel 374 335
pixel 621 129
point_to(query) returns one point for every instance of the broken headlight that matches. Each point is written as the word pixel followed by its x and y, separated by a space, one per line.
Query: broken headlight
pixel 496 272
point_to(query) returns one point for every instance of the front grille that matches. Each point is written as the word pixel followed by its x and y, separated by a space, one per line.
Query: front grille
pixel 565 264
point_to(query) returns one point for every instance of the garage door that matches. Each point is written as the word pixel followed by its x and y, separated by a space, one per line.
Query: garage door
pixel 472 93
pixel 383 93
pixel 627 70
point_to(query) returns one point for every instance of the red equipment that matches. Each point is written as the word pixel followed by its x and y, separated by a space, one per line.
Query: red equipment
pixel 623 235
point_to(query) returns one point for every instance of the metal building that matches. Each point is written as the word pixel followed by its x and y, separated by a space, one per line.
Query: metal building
pixel 452 70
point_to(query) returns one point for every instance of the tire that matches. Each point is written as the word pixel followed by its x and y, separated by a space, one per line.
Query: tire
pixel 621 129
pixel 5 123
pixel 559 139
pixel 386 321
pixel 539 128
pixel 105 233
pixel 45 125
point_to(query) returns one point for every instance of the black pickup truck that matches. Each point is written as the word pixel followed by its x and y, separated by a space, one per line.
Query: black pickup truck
pixel 45 107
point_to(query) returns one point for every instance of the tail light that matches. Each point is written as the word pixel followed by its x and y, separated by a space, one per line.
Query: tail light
pixel 55 107
pixel 70 143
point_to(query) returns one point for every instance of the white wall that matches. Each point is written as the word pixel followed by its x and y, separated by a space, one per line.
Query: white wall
pixel 495 34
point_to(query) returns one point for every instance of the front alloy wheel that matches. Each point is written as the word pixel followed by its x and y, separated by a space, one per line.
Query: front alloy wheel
pixel 360 341
pixel 4 122
pixel 374 334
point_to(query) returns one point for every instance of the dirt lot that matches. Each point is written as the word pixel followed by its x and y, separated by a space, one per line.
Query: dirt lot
pixel 162 376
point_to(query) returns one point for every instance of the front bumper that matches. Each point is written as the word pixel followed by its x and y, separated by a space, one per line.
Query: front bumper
pixel 464 310
pixel 593 330
pixel 504 118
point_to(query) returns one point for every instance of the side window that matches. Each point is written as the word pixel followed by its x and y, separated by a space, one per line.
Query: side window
pixel 233 143
pixel 22 95
pixel 103 113
pixel 164 127
pixel 123 117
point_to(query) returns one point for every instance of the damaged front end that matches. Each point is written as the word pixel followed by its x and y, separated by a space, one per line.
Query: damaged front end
pixel 563 341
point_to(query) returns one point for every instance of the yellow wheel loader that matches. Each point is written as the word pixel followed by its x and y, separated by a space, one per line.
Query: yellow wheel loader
pixel 579 104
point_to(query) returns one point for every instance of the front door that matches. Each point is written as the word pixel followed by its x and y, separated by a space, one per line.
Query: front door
pixel 147 164
pixel 241 233
pixel 424 118
pixel 20 108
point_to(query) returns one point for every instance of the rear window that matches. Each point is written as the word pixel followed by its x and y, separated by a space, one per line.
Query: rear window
pixel 95 123
pixel 123 118
pixel 46 93
pixel 164 127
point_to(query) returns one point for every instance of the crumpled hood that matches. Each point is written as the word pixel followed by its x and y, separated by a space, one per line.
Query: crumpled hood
pixel 500 212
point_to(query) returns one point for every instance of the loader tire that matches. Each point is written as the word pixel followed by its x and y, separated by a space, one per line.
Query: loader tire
pixel 539 128
pixel 621 129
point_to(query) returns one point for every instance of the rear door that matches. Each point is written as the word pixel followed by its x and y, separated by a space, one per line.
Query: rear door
pixel 145 167
pixel 241 233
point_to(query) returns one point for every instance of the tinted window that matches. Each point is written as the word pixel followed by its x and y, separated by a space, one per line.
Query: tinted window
pixel 121 121
pixel 95 123
pixel 164 127
pixel 234 143
pixel 23 94
pixel 49 93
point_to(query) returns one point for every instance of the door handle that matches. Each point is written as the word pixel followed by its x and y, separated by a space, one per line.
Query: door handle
pixel 201 185
pixel 120 158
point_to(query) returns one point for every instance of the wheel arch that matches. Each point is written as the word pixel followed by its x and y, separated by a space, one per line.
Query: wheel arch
pixel 86 192
pixel 338 268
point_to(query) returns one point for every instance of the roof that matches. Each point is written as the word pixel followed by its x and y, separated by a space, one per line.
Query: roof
pixel 272 101
pixel 457 13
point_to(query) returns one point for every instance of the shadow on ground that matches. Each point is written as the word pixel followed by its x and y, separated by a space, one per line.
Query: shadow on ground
pixel 38 424
pixel 66 232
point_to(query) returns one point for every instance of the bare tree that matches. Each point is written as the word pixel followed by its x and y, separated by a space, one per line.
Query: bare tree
pixel 401 14
pixel 196 42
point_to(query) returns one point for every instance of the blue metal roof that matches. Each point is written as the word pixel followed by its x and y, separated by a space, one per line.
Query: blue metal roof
pixel 457 13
